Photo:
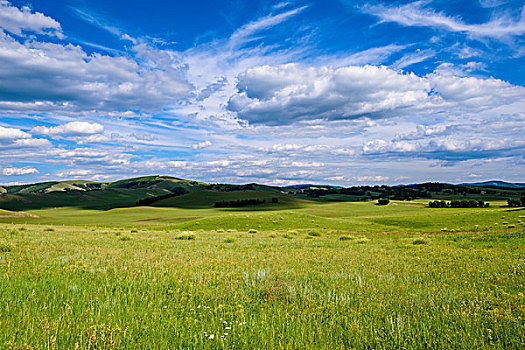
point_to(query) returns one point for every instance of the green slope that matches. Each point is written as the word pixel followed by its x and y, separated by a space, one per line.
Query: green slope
pixel 157 182
pixel 207 199
pixel 101 199
pixel 54 186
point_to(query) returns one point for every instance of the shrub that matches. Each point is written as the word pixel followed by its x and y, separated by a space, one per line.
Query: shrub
pixel 362 240
pixel 125 238
pixel 5 248
pixel 458 204
pixel 314 234
pixel 252 230
pixel 134 231
pixel 187 237
pixel 287 236
pixel 419 241
pixel 511 202
pixel 438 204
pixel 383 201
pixel 49 229
pixel 229 240
pixel 347 238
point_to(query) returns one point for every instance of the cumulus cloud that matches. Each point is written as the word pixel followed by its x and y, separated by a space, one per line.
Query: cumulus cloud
pixel 12 134
pixel 416 14
pixel 70 129
pixel 423 131
pixel 19 171
pixel 289 93
pixel 16 21
pixel 285 94
pixel 11 138
pixel 43 76
pixel 201 145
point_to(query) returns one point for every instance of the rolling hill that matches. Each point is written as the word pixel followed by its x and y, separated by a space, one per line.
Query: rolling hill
pixel 166 191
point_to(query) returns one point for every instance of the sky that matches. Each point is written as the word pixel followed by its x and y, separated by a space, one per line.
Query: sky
pixel 340 92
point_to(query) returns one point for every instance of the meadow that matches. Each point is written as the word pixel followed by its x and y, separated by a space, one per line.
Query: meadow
pixel 308 276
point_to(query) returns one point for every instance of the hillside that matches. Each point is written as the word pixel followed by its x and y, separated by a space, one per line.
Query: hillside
pixel 496 184
pixel 166 191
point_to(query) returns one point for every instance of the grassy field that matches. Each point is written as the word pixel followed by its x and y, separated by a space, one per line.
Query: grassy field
pixel 313 275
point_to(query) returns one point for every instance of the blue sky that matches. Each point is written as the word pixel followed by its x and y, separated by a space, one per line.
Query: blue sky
pixel 334 92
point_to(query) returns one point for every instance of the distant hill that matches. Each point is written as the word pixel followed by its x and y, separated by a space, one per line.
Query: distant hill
pixel 496 183
pixel 166 191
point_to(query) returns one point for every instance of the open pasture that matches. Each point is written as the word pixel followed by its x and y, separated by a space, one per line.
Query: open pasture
pixel 333 275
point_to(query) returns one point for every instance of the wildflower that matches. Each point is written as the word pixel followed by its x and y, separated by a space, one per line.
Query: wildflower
pixel 165 306
pixel 211 336
pixel 225 334
pixel 228 328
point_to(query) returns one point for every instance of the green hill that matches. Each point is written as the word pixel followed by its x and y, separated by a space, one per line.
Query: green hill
pixel 166 191
pixel 208 198
pixel 95 199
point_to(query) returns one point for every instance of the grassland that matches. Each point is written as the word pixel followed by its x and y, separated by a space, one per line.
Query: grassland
pixel 304 276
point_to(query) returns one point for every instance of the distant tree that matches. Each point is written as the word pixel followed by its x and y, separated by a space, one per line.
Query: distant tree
pixel 458 204
pixel 512 202
pixel 383 201
pixel 438 204
pixel 522 198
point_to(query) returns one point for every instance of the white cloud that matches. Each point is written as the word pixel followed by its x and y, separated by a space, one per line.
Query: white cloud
pixel 77 172
pixel 76 128
pixel 245 33
pixel 277 95
pixel 289 93
pixel 83 140
pixel 15 20
pixel 307 164
pixel 11 138
pixel 12 134
pixel 375 178
pixel 53 77
pixel 19 171
pixel 382 146
pixel 415 14
pixel 28 143
pixel 201 145
pixel 413 58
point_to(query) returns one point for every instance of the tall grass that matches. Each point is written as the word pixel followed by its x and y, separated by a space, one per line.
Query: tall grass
pixel 77 288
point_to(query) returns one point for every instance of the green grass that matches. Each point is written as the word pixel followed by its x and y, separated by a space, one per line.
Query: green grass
pixel 400 276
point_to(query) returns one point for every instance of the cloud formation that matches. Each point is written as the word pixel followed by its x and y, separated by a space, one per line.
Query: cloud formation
pixel 43 76
pixel 70 129
pixel 277 95
pixel 416 14
pixel 17 21
pixel 19 171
